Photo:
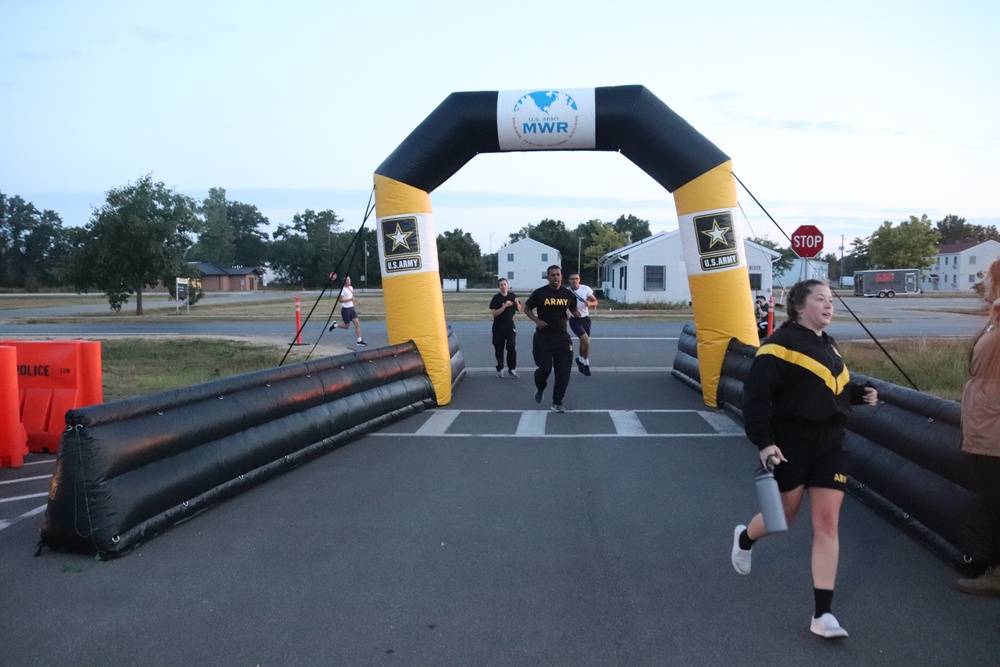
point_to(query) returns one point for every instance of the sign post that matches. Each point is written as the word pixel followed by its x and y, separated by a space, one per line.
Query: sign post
pixel 181 292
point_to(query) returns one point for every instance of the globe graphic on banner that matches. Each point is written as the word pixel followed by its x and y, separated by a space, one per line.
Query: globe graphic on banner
pixel 546 118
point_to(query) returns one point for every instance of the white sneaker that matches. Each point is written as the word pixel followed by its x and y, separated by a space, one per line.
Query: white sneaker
pixel 827 626
pixel 499 374
pixel 741 557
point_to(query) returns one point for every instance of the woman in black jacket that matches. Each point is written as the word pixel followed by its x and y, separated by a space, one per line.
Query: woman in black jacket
pixel 795 400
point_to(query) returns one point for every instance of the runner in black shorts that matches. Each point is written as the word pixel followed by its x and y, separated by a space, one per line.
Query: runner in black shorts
pixel 551 346
pixel 796 398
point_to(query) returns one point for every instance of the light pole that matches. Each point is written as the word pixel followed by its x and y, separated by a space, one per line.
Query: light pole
pixel 579 244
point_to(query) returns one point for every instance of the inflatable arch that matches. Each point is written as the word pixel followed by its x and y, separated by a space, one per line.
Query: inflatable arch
pixel 626 119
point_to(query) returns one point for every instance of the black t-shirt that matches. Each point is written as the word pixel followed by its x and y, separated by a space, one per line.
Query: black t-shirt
pixel 504 320
pixel 550 306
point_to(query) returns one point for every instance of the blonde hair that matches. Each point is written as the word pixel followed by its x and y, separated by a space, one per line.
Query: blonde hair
pixel 992 293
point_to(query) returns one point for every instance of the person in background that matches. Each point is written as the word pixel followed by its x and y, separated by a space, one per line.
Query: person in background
pixel 348 313
pixel 551 345
pixel 580 323
pixel 504 306
pixel 981 429
pixel 796 398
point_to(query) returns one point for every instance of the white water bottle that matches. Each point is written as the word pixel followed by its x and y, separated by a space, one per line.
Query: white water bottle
pixel 770 501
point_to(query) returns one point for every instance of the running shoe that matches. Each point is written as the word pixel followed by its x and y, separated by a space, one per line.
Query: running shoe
pixel 558 407
pixel 362 343
pixel 827 626
pixel 538 396
pixel 740 557
pixel 499 374
pixel 513 374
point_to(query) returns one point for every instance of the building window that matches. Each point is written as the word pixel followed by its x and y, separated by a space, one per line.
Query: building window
pixel 972 278
pixel 623 278
pixel 972 260
pixel 510 275
pixel 655 278
pixel 545 276
pixel 545 256
pixel 510 257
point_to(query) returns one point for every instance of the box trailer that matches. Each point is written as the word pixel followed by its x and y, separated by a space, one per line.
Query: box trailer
pixel 886 282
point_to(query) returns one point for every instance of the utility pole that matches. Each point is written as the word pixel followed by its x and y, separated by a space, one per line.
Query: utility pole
pixel 579 244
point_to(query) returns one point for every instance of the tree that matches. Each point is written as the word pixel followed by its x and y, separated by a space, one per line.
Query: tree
pixel 215 243
pixel 458 256
pixel 638 229
pixel 911 245
pixel 135 240
pixel 251 246
pixel 604 240
pixel 552 233
pixel 304 253
pixel 33 244
pixel 953 229
pixel 784 263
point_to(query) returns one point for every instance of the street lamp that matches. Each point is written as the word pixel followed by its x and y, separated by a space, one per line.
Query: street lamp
pixel 579 244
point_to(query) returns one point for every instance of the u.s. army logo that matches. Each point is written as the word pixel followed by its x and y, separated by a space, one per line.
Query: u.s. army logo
pixel 401 244
pixel 716 241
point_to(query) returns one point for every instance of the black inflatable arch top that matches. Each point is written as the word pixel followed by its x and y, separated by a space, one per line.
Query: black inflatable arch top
pixel 630 120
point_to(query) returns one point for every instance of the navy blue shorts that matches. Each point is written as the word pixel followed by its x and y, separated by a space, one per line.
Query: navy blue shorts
pixel 580 325
pixel 349 315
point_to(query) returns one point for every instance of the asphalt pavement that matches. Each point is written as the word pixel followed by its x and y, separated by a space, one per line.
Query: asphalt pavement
pixel 492 531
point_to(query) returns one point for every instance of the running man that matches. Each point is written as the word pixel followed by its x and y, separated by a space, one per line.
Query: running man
pixel 551 345
pixel 347 311
pixel 580 324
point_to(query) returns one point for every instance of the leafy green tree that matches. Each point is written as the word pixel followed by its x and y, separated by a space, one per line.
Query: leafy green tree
pixel 639 229
pixel 552 233
pixel 33 244
pixel 784 263
pixel 348 257
pixel 458 256
pixel 910 245
pixel 251 245
pixel 953 229
pixel 603 239
pixel 135 240
pixel 303 253
pixel 215 243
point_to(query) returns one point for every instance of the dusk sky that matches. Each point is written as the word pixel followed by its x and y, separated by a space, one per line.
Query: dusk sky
pixel 840 115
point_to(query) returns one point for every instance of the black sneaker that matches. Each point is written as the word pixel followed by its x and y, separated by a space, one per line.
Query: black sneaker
pixel 558 407
pixel 362 343
pixel 586 370
pixel 538 396
pixel 580 366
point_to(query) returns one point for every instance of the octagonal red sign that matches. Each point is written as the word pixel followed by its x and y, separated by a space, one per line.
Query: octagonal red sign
pixel 807 241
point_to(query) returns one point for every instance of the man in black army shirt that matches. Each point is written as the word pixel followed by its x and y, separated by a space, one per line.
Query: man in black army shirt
pixel 551 345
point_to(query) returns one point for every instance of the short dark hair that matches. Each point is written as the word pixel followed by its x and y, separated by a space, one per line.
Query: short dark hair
pixel 501 280
pixel 554 266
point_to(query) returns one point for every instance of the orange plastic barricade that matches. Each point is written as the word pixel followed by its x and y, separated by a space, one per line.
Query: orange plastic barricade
pixel 53 377
pixel 13 439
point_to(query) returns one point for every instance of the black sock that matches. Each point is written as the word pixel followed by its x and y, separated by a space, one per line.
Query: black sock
pixel 824 599
pixel 745 542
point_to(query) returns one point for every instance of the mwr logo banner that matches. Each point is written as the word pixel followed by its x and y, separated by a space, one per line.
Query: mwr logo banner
pixel 531 120
pixel 407 244
pixel 712 242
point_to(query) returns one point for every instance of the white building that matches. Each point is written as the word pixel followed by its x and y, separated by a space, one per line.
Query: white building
pixel 653 270
pixel 524 263
pixel 957 265
pixel 803 269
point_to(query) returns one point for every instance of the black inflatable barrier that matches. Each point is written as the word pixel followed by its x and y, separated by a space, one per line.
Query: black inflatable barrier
pixel 457 360
pixel 686 360
pixel 905 461
pixel 129 469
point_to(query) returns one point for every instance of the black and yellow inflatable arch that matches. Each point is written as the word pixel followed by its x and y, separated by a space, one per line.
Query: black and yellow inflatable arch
pixel 626 119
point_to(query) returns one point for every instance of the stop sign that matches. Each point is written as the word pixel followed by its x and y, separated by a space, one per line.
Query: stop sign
pixel 807 241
